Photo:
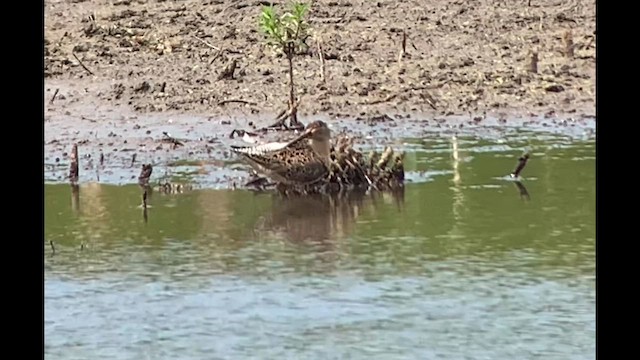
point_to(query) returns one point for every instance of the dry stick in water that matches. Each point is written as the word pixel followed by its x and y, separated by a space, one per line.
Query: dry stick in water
pixel 133 159
pixel 73 167
pixel 54 96
pixel 81 64
pixel 522 190
pixel 522 162
pixel 53 248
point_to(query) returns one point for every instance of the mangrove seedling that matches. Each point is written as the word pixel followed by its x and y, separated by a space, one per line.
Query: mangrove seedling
pixel 287 34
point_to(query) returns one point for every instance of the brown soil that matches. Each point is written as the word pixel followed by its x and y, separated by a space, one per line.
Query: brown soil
pixel 462 57
pixel 119 73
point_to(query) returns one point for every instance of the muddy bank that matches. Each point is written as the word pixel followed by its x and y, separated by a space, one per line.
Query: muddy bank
pixel 119 74
pixel 461 58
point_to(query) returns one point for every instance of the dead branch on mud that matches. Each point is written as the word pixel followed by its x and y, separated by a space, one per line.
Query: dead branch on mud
pixel 81 64
pixel 53 248
pixel 321 56
pixel 206 43
pixel 133 159
pixel 223 102
pixel 74 171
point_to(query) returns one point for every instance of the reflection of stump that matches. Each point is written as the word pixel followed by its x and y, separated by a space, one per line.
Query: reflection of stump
pixel 74 171
pixel 144 204
pixel 75 198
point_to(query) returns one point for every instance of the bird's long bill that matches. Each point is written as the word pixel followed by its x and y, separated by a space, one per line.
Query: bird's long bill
pixel 305 134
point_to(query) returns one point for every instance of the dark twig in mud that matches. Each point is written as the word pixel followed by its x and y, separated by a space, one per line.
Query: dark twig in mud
pixel 53 248
pixel 74 171
pixel 220 103
pixel 133 160
pixel 522 162
pixel 145 174
pixel 54 96
pixel 81 64
pixel 206 43
pixel 403 50
pixel 522 190
pixel 533 64
pixel 101 159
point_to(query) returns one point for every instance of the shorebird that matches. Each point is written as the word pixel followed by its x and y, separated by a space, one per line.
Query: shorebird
pixel 302 161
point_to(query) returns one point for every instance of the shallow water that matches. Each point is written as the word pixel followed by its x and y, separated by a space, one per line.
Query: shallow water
pixel 464 264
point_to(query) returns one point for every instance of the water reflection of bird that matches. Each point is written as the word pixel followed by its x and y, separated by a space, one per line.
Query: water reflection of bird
pixel 304 160
pixel 317 217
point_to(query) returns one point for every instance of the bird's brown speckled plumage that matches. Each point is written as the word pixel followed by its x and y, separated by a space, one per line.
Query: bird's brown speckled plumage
pixel 302 161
